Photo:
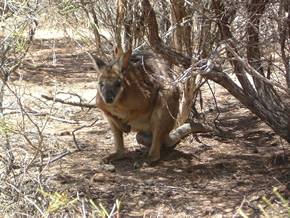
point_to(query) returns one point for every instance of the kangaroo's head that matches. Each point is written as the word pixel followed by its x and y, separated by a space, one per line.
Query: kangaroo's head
pixel 111 77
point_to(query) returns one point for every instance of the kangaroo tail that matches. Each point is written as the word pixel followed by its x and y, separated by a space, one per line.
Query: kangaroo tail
pixel 192 127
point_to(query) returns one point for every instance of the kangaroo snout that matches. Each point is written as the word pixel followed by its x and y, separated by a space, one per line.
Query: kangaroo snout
pixel 110 92
pixel 109 100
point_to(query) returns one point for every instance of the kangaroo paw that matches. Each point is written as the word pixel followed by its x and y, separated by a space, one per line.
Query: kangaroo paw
pixel 126 128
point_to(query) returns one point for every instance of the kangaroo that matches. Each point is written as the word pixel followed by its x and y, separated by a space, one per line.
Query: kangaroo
pixel 134 96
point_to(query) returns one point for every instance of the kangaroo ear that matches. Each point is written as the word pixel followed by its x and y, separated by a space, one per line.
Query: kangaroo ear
pixel 117 51
pixel 123 61
pixel 98 63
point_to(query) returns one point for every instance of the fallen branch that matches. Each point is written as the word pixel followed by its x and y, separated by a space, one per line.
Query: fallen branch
pixel 66 121
pixel 77 129
pixel 62 155
pixel 73 103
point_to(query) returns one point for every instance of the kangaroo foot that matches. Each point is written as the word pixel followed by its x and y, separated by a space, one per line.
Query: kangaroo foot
pixel 112 157
pixel 145 162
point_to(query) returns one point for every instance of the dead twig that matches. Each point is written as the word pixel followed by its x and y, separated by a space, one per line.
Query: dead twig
pixel 61 155
pixel 73 103
pixel 20 192
pixel 24 113
pixel 254 72
pixel 79 128
pixel 240 207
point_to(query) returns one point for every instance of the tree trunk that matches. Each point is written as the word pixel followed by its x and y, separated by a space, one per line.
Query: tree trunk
pixel 155 41
pixel 273 113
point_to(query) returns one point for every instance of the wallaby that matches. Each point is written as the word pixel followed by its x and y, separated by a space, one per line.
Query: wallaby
pixel 134 95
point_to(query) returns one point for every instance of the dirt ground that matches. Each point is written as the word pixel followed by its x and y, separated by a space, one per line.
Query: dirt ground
pixel 204 176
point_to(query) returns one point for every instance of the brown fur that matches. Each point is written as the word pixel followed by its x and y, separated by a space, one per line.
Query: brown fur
pixel 133 98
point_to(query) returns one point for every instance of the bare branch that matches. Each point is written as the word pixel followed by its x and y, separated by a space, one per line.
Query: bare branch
pixel 254 72
pixel 73 103
pixel 77 129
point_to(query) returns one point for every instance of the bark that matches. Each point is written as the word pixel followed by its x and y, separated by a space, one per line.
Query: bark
pixel 182 31
pixel 182 43
pixel 190 92
pixel 256 9
pixel 284 31
pixel 124 22
pixel 155 41
pixel 119 21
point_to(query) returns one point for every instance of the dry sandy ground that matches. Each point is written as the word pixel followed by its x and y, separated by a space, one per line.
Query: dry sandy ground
pixel 204 176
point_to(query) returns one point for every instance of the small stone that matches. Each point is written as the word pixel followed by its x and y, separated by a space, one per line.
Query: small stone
pixel 101 177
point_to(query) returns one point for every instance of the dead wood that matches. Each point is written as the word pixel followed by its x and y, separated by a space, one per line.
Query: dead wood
pixel 73 103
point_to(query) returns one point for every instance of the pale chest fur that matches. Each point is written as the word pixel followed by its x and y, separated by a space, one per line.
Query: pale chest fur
pixel 137 121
